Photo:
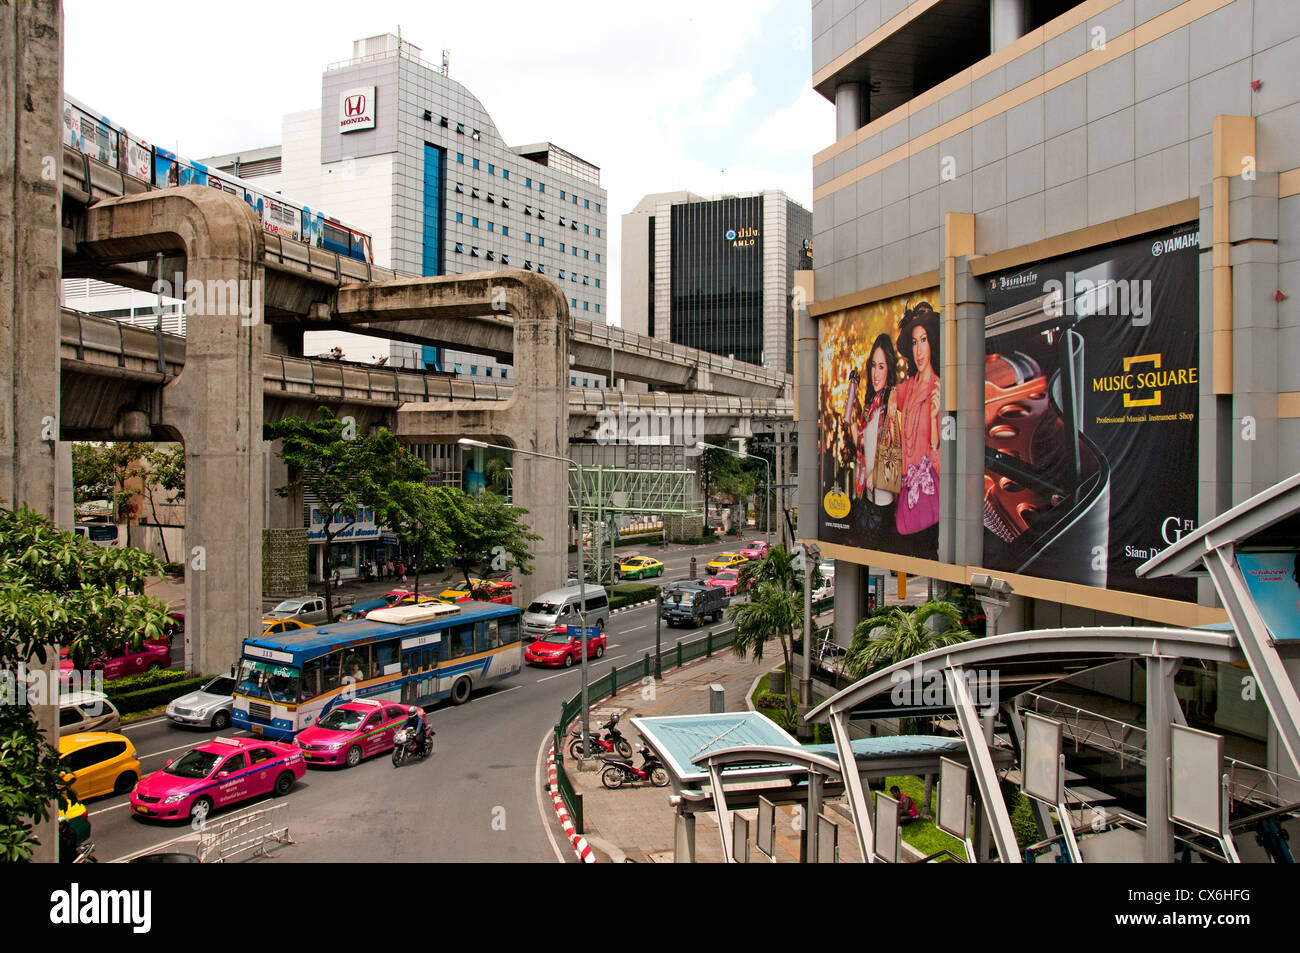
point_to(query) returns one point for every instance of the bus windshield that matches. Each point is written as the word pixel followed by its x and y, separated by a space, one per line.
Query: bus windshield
pixel 273 681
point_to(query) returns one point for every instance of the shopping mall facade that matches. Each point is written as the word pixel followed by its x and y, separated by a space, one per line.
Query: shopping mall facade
pixel 1054 322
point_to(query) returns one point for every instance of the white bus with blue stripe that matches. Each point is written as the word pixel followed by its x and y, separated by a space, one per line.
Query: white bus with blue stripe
pixel 414 655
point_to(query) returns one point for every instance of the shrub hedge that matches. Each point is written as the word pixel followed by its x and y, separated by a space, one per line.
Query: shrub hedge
pixel 150 689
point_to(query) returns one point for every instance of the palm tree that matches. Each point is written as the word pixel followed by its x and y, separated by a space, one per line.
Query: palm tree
pixel 770 612
pixel 777 567
pixel 905 635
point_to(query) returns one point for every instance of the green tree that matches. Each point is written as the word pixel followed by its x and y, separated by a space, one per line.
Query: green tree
pixel 92 476
pixel 416 513
pixel 347 471
pixel 161 469
pixel 484 526
pixel 901 635
pixel 56 591
pixel 771 612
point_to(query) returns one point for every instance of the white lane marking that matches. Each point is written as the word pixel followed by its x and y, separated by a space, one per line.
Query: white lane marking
pixel 591 663
pixel 635 628
pixel 140 724
pixel 543 798
pixel 111 807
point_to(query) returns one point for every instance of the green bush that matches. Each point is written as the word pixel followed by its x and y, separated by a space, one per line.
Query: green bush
pixel 158 694
pixel 174 569
pixel 630 593
pixel 133 683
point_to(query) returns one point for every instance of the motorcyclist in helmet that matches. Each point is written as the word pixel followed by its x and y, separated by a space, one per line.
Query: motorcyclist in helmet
pixel 420 724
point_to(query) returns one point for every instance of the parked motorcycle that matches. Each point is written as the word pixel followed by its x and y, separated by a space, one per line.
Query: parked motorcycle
pixel 612 742
pixel 404 745
pixel 621 771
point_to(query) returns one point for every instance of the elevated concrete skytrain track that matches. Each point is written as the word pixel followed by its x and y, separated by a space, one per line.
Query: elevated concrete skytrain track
pixel 241 363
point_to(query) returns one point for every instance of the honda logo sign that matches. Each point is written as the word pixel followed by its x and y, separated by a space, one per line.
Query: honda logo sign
pixel 357 109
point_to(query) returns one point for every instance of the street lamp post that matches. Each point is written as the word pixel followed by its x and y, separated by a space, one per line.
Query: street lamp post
pixel 582 575
pixel 740 453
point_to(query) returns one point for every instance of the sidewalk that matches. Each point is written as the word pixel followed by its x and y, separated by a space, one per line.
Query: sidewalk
pixel 635 823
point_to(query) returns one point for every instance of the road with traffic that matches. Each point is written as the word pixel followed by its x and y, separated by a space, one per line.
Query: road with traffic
pixel 476 799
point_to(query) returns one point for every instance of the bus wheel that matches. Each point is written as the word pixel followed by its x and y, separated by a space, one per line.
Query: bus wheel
pixel 460 691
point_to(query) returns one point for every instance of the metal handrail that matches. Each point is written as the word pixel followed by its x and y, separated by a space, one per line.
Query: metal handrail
pixel 1089 734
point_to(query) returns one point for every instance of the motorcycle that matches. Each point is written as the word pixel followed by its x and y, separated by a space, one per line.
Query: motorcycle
pixel 619 772
pixel 404 745
pixel 613 741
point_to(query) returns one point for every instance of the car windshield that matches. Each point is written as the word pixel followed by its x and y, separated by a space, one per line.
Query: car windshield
pixel 289 605
pixel 273 681
pixel 221 685
pixel 560 638
pixel 544 608
pixel 684 598
pixel 342 719
pixel 727 575
pixel 196 764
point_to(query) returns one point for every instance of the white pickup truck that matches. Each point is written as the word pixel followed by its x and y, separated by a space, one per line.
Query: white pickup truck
pixel 308 609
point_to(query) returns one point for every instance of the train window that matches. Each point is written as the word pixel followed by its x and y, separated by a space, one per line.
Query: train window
pixel 460 128
pixel 332 235
pixel 443 122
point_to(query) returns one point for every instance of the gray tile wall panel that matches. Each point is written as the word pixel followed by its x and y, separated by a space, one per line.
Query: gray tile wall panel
pixel 1025 171
pixel 1221 38
pixel 1162 64
pixel 1275 22
pixel 869 193
pixel 1162 177
pixel 1224 92
pixel 1026 220
pixel 1066 157
pixel 1110 140
pixel 1111 194
pixel 989 186
pixel 1161 121
pixel 923 169
pixel 1025 125
pixel 895 263
pixel 1277 139
pixel 1145 10
pixel 1110 88
pixel 1061 49
pixel 989 141
pixel 1065 107
pixel 896 222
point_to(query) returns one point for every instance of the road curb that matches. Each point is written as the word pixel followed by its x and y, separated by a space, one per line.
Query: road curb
pixel 579 843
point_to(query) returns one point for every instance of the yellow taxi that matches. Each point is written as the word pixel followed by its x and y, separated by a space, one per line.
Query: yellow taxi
pixel 97 763
pixel 639 567
pixel 457 592
pixel 274 626
pixel 725 561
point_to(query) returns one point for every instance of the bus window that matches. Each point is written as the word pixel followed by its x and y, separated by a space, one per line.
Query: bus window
pixel 331 671
pixel 462 640
pixel 494 635
pixel 480 637
pixel 385 655
pixel 356 662
pixel 428 659
pixel 509 630
pixel 311 679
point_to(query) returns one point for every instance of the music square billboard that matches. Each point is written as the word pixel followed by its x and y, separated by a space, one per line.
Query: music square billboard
pixel 880 424
pixel 1091 386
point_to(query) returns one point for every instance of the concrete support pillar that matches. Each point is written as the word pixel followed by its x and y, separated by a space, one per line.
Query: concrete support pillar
pixel 31 176
pixel 215 405
pixel 850 597
pixel 1159 832
pixel 850 108
pixel 806 402
pixel 1008 22
pixel 967 451
pixel 65 506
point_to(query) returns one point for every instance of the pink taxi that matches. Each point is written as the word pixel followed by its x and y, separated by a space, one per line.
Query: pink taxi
pixel 216 774
pixel 352 731
pixel 123 660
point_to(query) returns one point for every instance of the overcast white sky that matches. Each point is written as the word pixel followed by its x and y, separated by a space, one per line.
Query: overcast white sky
pixel 712 96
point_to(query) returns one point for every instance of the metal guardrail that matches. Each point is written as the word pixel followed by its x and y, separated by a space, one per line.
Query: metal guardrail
pixel 1083 727
pixel 248 832
pixel 610 684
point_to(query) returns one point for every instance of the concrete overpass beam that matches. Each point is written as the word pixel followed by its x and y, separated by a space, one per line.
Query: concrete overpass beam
pixel 215 404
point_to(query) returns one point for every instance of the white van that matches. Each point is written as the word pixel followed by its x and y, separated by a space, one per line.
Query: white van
pixel 86 711
pixel 558 609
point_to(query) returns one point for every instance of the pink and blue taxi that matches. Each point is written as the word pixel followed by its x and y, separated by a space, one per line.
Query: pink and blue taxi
pixel 352 731
pixel 216 774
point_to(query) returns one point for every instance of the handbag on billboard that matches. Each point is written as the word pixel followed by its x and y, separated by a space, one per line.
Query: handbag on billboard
pixel 889 457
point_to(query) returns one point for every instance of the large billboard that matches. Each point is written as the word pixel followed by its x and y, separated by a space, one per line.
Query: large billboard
pixel 1091 388
pixel 880 425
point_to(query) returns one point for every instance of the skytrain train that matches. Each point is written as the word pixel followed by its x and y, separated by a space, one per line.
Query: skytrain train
pixel 97 137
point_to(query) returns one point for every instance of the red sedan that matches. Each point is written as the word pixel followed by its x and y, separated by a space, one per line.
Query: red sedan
pixel 123 660
pixel 558 648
